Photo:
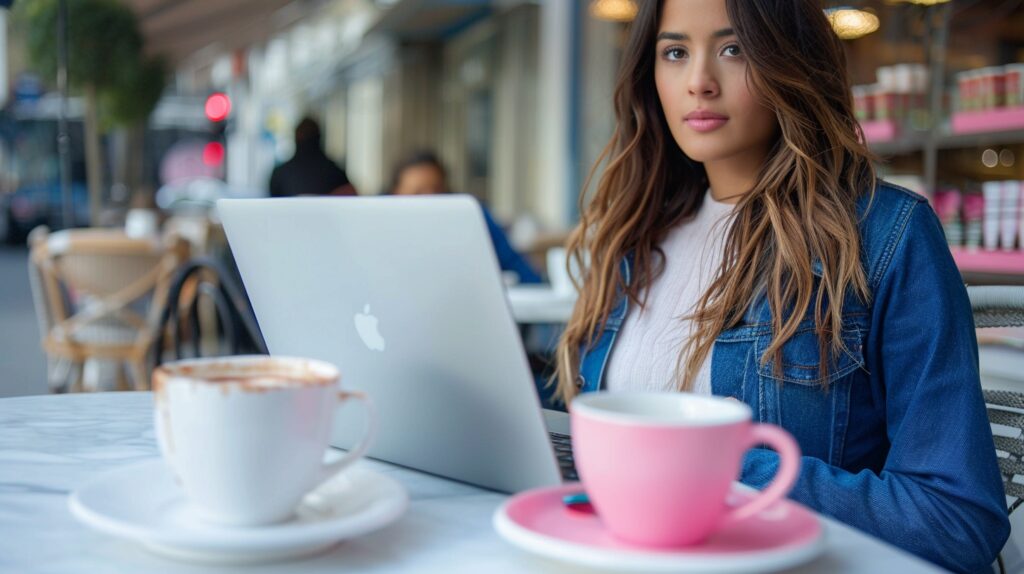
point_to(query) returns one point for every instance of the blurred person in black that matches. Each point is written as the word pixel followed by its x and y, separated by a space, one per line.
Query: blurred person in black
pixel 309 171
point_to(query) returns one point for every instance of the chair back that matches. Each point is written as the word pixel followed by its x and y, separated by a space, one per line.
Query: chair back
pixel 997 305
pixel 103 263
pixel 993 307
pixel 1006 410
pixel 105 272
pixel 48 310
pixel 99 293
pixel 205 283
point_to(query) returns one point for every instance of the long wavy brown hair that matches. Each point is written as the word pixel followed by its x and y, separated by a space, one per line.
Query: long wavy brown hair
pixel 801 209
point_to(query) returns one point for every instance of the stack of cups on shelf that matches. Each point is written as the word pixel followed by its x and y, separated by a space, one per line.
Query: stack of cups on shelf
pixel 900 93
pixel 992 219
pixel 1002 223
pixel 974 213
pixel 947 206
pixel 990 88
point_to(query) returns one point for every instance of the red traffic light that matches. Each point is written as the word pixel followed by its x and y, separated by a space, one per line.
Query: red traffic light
pixel 213 154
pixel 218 106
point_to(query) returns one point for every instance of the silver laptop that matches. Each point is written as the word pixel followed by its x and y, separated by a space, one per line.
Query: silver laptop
pixel 405 295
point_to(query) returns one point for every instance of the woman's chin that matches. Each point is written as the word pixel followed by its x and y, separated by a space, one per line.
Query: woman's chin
pixel 703 155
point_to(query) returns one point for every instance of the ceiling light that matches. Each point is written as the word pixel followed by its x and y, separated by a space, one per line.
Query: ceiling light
pixel 614 10
pixel 1006 158
pixel 989 158
pixel 919 2
pixel 850 23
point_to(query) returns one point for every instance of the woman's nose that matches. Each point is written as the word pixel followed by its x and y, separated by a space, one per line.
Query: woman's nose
pixel 702 82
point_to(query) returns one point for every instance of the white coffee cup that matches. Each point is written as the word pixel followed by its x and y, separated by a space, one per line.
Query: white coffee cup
pixel 246 436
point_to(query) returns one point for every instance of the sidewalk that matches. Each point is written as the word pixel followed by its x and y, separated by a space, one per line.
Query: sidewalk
pixel 22 363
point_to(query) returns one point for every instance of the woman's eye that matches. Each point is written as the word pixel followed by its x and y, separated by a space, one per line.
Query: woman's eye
pixel 674 54
pixel 732 50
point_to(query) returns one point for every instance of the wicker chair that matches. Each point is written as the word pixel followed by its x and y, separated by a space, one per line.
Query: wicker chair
pixel 60 371
pixel 90 285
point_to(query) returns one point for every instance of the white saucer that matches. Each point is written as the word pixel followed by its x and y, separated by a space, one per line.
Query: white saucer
pixel 143 503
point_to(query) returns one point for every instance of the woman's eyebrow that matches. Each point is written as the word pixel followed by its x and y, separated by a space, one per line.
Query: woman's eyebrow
pixel 678 37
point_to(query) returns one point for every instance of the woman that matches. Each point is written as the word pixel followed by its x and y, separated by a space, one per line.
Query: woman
pixel 422 173
pixel 740 245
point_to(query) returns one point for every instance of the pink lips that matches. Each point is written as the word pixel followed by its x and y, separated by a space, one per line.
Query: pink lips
pixel 705 121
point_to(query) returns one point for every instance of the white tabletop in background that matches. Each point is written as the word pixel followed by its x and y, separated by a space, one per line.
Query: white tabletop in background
pixel 51 444
pixel 540 304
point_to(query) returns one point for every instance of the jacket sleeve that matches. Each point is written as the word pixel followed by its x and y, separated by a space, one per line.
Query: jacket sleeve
pixel 939 494
pixel 508 257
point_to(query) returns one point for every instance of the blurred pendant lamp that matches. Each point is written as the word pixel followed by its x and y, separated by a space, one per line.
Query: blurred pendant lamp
pixel 614 10
pixel 851 23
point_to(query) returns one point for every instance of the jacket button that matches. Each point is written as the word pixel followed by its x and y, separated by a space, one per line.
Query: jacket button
pixel 580 382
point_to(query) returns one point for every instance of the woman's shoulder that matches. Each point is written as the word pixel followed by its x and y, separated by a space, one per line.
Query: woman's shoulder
pixel 887 197
pixel 887 216
pixel 888 206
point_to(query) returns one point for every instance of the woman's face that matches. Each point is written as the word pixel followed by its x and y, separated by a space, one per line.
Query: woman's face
pixel 701 76
pixel 420 179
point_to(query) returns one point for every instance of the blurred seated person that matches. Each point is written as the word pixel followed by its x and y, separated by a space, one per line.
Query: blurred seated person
pixel 309 171
pixel 423 174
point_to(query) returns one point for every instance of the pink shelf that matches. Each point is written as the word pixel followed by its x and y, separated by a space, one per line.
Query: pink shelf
pixel 980 261
pixel 996 120
pixel 880 131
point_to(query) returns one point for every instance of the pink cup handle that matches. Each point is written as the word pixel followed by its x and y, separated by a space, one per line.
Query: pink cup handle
pixel 779 487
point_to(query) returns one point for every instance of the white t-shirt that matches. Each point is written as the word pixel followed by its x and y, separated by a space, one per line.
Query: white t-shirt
pixel 647 347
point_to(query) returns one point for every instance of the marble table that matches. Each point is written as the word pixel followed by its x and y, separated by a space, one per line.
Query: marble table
pixel 51 444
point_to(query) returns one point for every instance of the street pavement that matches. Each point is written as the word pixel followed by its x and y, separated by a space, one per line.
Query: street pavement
pixel 22 362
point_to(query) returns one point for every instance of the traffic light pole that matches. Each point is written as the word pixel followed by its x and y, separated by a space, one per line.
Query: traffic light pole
pixel 63 138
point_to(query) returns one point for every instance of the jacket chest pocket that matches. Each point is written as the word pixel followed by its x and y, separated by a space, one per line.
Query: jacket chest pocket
pixel 809 402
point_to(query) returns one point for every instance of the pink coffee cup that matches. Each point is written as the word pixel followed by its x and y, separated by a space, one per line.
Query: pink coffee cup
pixel 658 467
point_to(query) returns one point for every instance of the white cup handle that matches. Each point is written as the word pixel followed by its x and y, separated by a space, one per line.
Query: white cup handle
pixel 356 452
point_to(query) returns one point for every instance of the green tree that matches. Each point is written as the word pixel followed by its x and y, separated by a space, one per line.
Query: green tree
pixel 128 106
pixel 120 85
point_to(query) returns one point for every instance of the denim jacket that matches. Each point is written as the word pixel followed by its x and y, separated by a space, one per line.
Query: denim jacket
pixel 508 258
pixel 898 443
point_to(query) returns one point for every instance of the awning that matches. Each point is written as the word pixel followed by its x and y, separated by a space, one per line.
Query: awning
pixel 430 19
pixel 178 28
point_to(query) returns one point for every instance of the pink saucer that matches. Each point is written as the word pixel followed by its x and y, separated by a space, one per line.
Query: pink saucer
pixel 783 536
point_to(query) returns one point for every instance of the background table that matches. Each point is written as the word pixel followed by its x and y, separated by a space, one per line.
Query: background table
pixel 540 304
pixel 51 444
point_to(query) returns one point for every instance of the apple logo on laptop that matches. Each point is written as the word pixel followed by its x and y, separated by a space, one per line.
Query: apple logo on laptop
pixel 366 326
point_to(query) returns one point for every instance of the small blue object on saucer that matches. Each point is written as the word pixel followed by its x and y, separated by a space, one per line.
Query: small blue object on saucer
pixel 578 501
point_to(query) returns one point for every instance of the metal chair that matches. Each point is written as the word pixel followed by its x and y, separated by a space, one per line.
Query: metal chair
pixel 993 307
pixel 999 306
pixel 1006 408
pixel 209 309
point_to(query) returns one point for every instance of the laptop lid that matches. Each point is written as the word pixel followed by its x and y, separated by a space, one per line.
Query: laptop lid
pixel 404 294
